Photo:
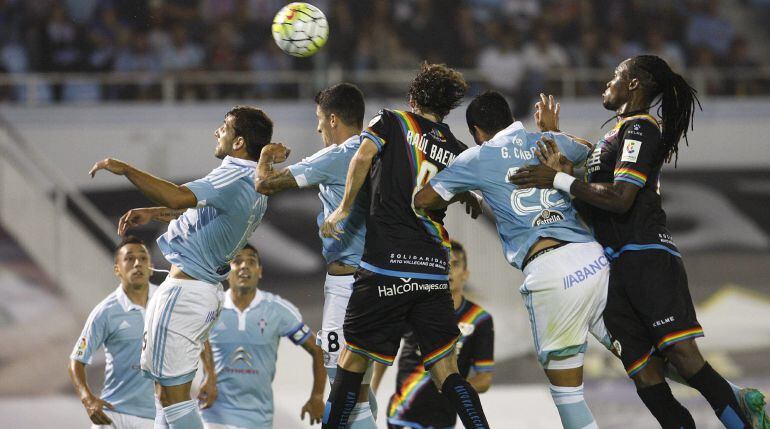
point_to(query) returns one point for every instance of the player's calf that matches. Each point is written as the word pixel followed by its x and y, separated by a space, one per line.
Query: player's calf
pixel 458 391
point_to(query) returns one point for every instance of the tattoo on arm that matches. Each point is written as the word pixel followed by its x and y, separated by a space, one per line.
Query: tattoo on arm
pixel 167 214
pixel 276 181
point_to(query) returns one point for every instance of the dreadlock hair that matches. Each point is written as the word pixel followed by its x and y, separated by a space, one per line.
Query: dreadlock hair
pixel 677 99
pixel 437 89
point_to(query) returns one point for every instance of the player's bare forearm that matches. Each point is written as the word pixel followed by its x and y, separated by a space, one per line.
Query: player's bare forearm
pixel 161 191
pixel 165 214
pixel 617 197
pixel 271 181
pixel 207 357
pixel 428 199
pixel 357 172
pixel 319 372
pixel 481 381
pixel 77 372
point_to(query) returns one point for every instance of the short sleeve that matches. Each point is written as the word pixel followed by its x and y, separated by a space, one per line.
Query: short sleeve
pixel 217 188
pixel 378 129
pixel 290 322
pixel 483 357
pixel 93 336
pixel 575 151
pixel 638 153
pixel 322 167
pixel 460 176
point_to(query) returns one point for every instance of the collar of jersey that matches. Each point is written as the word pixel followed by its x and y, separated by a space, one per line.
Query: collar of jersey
pixel 510 129
pixel 238 162
pixel 126 303
pixel 229 304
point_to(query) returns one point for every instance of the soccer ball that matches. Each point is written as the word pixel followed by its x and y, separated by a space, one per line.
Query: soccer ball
pixel 300 29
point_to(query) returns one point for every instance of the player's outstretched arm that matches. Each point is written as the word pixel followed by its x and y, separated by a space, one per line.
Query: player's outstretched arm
pixel 357 172
pixel 616 197
pixel 142 216
pixel 428 199
pixel 92 403
pixel 156 189
pixel 547 112
pixel 314 406
pixel 208 392
pixel 268 180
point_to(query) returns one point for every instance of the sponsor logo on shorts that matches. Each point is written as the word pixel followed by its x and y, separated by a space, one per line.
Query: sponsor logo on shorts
pixel 548 217
pixel 662 322
pixel 586 272
pixel 409 286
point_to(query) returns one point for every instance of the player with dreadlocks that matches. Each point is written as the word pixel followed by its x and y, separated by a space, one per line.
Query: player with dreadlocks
pixel 649 314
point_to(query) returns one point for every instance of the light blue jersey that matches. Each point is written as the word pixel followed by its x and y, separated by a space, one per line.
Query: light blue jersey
pixel 117 324
pixel 328 168
pixel 203 240
pixel 245 349
pixel 523 216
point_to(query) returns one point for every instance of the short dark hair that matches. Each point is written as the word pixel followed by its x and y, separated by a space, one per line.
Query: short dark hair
pixel 253 249
pixel 254 126
pixel 345 100
pixel 458 248
pixel 490 112
pixel 129 239
pixel 437 89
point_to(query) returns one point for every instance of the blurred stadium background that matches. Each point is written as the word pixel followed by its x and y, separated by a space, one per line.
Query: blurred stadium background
pixel 147 81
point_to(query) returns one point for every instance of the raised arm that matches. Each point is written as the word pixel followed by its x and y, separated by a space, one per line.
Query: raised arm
pixel 268 180
pixel 92 403
pixel 314 406
pixel 357 172
pixel 142 216
pixel 156 189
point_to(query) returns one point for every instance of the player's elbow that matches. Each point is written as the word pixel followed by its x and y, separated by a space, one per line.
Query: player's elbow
pixel 423 200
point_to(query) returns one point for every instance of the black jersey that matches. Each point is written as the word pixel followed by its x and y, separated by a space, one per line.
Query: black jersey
pixel 631 152
pixel 416 399
pixel 399 239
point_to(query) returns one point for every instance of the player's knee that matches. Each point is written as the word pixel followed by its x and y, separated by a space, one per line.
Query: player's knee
pixel 443 369
pixel 685 357
pixel 648 376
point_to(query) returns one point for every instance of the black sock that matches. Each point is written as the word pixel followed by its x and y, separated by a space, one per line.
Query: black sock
pixel 465 400
pixel 342 399
pixel 665 408
pixel 720 396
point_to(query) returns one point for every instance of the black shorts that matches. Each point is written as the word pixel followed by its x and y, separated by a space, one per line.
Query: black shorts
pixel 382 308
pixel 649 306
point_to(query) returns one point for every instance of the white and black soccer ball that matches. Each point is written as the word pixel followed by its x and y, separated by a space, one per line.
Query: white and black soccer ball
pixel 300 29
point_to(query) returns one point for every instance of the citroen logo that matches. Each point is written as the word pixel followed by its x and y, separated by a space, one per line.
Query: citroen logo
pixel 241 354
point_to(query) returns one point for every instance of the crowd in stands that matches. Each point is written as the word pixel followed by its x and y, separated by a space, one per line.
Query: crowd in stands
pixel 516 45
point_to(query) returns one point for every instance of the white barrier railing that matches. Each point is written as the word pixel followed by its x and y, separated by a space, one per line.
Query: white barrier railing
pixel 36 88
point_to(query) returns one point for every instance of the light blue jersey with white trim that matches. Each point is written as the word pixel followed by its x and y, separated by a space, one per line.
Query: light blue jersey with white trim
pixel 118 324
pixel 203 240
pixel 245 349
pixel 328 168
pixel 523 216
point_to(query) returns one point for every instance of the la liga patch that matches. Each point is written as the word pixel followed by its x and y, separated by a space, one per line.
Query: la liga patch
pixel 631 149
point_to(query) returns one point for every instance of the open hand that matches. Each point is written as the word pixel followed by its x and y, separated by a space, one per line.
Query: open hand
pixel 547 113
pixel 134 218
pixel 276 152
pixel 207 394
pixel 548 153
pixel 331 227
pixel 314 407
pixel 533 176
pixel 94 407
pixel 112 165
